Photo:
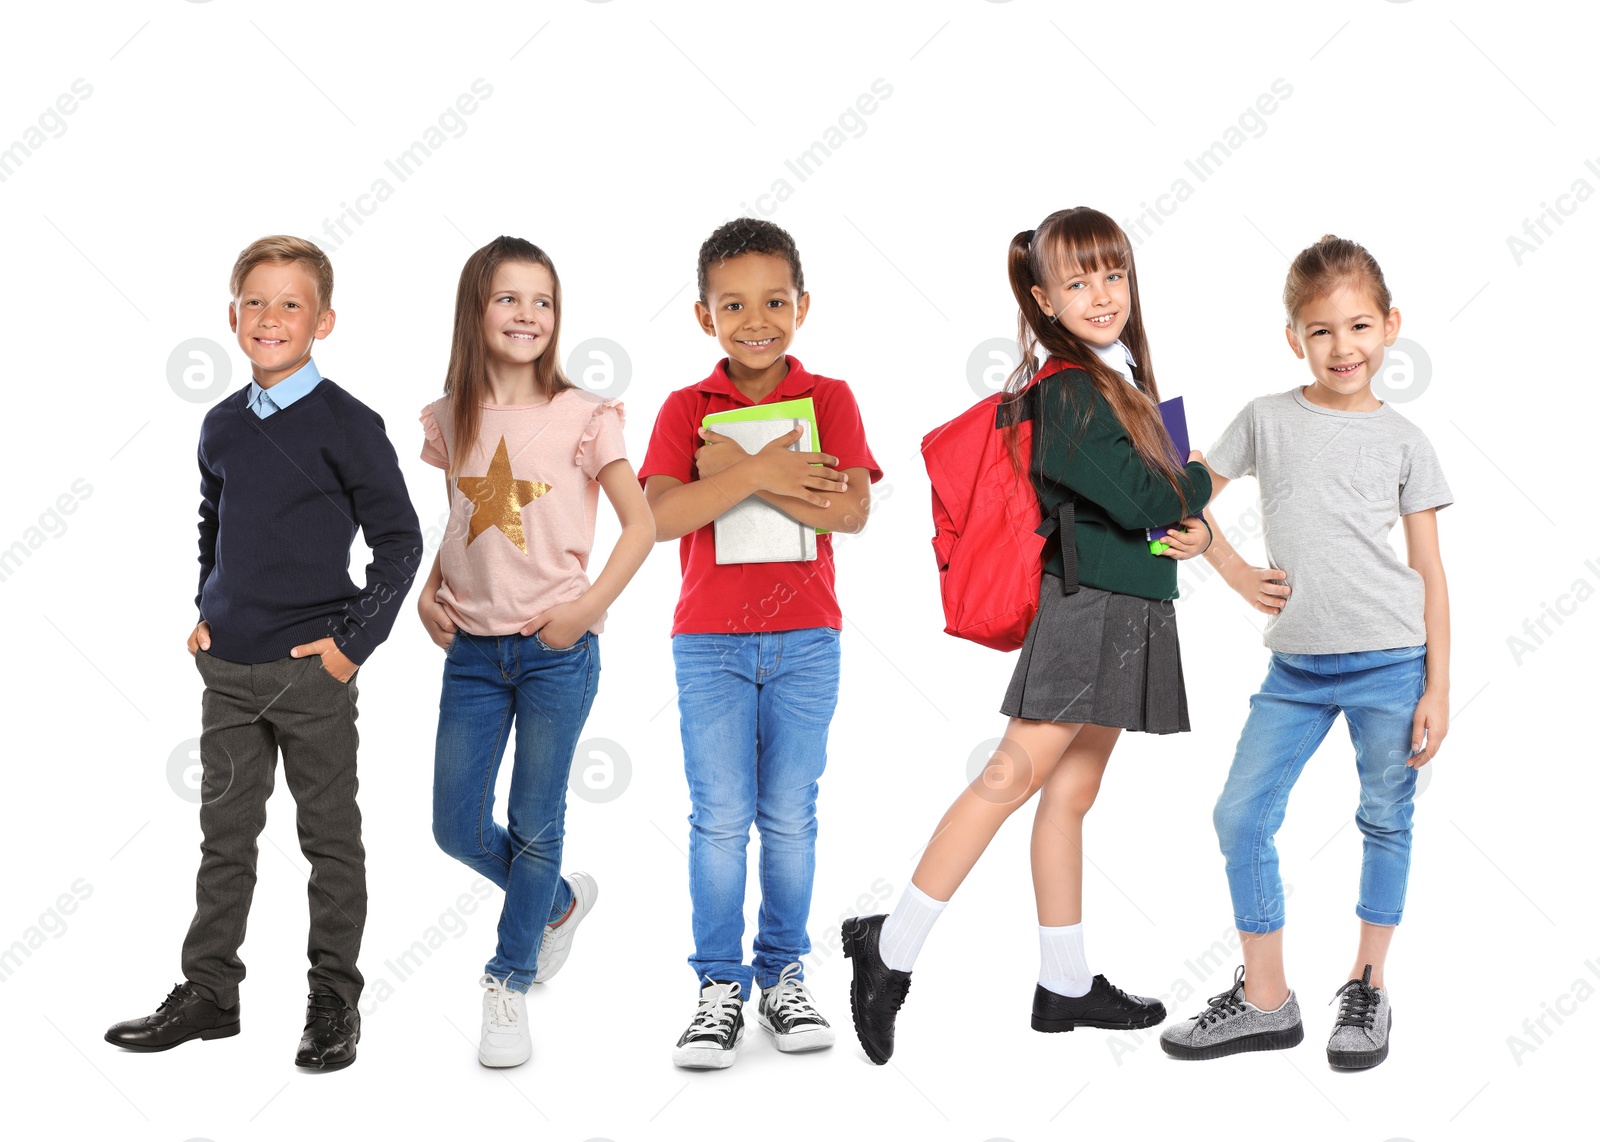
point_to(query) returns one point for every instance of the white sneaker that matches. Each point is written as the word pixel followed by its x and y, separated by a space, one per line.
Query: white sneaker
pixel 557 939
pixel 504 1040
pixel 788 1015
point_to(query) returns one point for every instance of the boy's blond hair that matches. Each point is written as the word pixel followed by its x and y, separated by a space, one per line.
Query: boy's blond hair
pixel 285 248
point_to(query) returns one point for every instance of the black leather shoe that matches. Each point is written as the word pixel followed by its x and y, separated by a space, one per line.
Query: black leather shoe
pixel 183 1015
pixel 876 990
pixel 332 1032
pixel 1104 1005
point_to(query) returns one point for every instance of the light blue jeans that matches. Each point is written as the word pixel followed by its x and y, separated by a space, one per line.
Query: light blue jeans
pixel 492 682
pixel 754 711
pixel 1377 691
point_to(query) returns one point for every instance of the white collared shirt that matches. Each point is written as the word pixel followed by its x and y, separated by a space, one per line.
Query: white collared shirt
pixel 1118 358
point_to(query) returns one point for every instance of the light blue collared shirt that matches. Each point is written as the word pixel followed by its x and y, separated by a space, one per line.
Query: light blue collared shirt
pixel 265 402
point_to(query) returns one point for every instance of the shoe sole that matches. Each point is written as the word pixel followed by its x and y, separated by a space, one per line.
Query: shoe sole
pixel 507 1061
pixel 1361 1060
pixel 145 1048
pixel 794 1042
pixel 849 942
pixel 1260 1041
pixel 547 970
pixel 707 1058
pixel 1040 1023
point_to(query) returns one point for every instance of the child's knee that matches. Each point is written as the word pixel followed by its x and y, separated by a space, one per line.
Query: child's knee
pixel 1070 797
pixel 722 822
pixel 454 840
pixel 1229 822
pixel 1384 819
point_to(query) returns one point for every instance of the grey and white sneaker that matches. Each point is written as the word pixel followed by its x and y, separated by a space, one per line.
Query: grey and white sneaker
pixel 1231 1024
pixel 503 1039
pixel 1360 1036
pixel 557 939
pixel 788 1015
pixel 712 1040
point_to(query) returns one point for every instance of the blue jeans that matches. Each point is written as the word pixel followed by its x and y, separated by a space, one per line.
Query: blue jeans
pixel 1378 691
pixel 754 712
pixel 491 682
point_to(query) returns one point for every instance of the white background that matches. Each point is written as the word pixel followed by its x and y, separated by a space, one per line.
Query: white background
pixel 617 136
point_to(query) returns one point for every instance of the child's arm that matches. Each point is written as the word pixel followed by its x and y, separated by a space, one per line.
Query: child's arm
pixel 210 497
pixel 680 507
pixel 1432 719
pixel 369 473
pixel 848 507
pixel 562 625
pixel 1091 454
pixel 435 619
pixel 847 512
pixel 1263 588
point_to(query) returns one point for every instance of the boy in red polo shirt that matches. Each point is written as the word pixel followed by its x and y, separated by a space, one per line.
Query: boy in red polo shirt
pixel 756 645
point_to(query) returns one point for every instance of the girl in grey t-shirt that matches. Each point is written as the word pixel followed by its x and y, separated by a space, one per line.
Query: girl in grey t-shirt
pixel 1353 630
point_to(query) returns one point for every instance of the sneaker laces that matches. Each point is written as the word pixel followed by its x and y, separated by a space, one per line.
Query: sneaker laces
pixel 719 1003
pixel 790 999
pixel 1230 1002
pixel 1359 1006
pixel 502 1005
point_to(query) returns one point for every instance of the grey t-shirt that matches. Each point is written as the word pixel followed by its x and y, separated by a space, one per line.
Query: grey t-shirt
pixel 1332 485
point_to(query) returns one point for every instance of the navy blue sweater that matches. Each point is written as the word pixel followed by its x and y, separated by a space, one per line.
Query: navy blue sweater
pixel 281 499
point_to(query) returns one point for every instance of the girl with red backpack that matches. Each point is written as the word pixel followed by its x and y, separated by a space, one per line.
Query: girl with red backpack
pixel 1101 655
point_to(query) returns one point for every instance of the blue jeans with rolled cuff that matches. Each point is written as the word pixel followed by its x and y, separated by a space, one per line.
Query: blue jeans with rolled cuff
pixel 492 683
pixel 1377 691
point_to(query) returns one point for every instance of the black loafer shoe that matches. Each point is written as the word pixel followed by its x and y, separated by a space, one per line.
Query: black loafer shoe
pixel 332 1032
pixel 183 1015
pixel 1104 1005
pixel 876 990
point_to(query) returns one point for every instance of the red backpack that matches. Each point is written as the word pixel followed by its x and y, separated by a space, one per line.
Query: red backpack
pixel 989 538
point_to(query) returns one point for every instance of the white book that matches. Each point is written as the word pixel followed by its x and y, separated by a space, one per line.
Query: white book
pixel 753 531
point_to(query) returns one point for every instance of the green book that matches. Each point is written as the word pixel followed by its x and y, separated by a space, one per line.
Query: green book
pixel 801 408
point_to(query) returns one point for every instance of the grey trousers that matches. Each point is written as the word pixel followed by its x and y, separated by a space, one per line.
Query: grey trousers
pixel 250 713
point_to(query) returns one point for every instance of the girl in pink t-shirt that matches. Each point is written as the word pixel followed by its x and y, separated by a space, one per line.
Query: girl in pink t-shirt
pixel 526 455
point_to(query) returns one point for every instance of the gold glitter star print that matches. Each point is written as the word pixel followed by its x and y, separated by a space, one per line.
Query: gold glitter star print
pixel 498 498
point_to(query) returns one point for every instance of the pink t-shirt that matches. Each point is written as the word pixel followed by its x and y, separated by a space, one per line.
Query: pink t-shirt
pixel 522 507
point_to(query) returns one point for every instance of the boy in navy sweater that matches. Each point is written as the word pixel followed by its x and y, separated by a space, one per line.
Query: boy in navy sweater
pixel 290 467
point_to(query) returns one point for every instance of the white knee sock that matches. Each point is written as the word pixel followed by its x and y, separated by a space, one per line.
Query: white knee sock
pixel 907 926
pixel 1063 968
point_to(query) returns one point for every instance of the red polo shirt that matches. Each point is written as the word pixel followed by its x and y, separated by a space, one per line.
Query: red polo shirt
pixel 738 598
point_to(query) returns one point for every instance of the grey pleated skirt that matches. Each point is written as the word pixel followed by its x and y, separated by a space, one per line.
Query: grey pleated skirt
pixel 1101 658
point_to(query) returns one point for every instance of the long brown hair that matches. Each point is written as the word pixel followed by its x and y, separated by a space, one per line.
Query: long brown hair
pixel 1083 240
pixel 466 381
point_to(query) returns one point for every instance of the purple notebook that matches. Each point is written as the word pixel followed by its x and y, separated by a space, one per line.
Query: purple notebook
pixel 1177 427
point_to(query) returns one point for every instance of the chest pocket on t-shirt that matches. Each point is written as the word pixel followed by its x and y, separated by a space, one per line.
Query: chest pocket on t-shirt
pixel 1377 476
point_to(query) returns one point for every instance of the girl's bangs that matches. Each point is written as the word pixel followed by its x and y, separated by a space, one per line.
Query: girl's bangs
pixel 1081 245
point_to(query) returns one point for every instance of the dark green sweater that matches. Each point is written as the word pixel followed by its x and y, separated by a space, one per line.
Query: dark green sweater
pixel 1089 454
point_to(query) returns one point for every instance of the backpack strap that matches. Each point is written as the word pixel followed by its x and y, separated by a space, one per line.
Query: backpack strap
pixel 1025 406
pixel 1062 524
pixel 1061 527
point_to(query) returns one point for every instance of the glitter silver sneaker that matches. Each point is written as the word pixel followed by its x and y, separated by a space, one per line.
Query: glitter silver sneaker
pixel 1230 1024
pixel 1360 1036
